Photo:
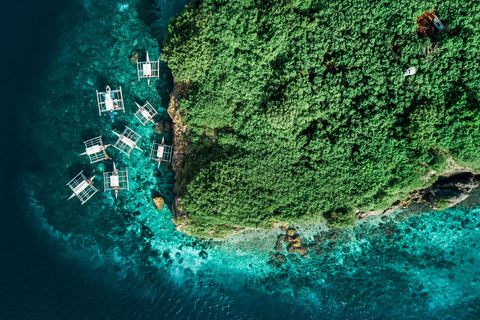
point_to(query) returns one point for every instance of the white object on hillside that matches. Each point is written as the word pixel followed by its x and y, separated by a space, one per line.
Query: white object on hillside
pixel 410 71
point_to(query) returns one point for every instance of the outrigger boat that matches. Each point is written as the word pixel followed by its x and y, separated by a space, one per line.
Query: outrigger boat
pixel 96 150
pixel 148 69
pixel 127 141
pixel 161 152
pixel 145 113
pixel 82 187
pixel 116 180
pixel 110 101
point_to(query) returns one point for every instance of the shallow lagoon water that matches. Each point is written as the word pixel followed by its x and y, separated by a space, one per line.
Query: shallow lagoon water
pixel 122 259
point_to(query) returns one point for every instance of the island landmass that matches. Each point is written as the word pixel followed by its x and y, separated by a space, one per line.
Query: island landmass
pixel 301 111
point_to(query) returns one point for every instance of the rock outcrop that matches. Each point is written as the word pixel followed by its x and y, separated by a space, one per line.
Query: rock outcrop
pixel 159 202
pixel 451 188
pixel 180 147
pixel 294 245
pixel 180 130
pixel 133 57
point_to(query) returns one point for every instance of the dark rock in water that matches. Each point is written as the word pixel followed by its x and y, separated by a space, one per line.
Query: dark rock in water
pixel 290 248
pixel 274 264
pixel 159 128
pixel 384 218
pixel 146 232
pixel 375 233
pixel 133 57
pixel 445 265
pixel 280 257
pixel 278 246
pixel 360 236
pixel 318 238
pixel 388 230
pixel 293 258
pixel 203 254
pixel 316 248
pixel 154 253
pixel 399 218
pixel 272 256
pixel 302 250
pixel 296 242
pixel 332 235
pixel 166 254
pixel 291 232
pixel 281 237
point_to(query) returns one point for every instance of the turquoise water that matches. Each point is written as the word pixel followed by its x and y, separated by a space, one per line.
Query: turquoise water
pixel 122 259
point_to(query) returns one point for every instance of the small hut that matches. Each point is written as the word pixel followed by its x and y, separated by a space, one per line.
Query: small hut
pixel 429 24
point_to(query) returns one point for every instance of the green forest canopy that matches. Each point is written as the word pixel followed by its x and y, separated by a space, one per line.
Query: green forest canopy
pixel 300 108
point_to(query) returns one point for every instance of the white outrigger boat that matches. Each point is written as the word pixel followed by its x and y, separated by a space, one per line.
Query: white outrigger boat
pixel 95 150
pixel 127 141
pixel 161 152
pixel 145 113
pixel 148 69
pixel 110 101
pixel 82 187
pixel 115 180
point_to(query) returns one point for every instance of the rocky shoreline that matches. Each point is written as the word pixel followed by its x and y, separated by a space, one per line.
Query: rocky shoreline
pixel 180 129
pixel 450 189
pixel 180 132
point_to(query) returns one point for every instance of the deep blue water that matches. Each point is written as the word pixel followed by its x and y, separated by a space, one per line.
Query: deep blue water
pixel 121 259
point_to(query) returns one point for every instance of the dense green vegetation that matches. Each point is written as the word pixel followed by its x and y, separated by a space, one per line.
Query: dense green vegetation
pixel 300 108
